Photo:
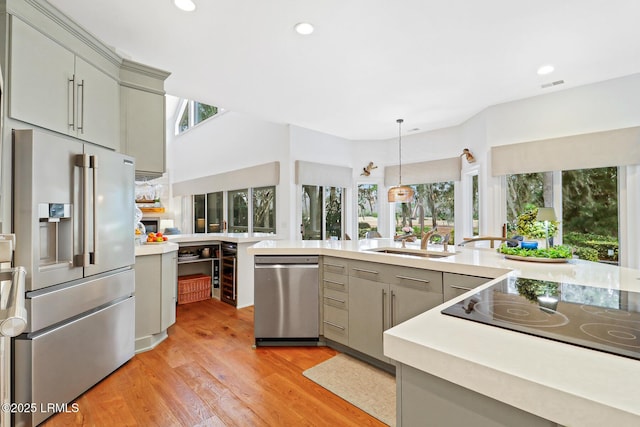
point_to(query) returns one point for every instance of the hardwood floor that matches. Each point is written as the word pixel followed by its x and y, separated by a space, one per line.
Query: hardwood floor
pixel 207 374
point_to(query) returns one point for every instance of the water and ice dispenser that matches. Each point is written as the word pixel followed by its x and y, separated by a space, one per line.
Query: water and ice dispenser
pixel 56 234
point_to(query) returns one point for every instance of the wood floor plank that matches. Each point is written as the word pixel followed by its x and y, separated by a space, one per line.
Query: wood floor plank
pixel 207 373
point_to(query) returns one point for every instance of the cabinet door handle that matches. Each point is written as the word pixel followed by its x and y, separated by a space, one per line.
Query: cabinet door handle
pixel 415 279
pixel 333 265
pixel 72 116
pixel 391 313
pixel 362 270
pixel 384 295
pixel 334 282
pixel 334 325
pixel 335 299
pixel 81 106
pixel 462 288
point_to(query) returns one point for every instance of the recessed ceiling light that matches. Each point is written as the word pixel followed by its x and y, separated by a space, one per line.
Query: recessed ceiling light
pixel 304 28
pixel 186 5
pixel 545 69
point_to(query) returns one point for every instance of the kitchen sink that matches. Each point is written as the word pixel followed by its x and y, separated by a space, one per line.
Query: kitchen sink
pixel 411 252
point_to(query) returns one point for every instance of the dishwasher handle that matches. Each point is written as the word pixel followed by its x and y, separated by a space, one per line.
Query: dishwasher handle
pixel 264 260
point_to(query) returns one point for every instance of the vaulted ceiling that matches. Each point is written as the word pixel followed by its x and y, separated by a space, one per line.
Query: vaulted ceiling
pixel 434 63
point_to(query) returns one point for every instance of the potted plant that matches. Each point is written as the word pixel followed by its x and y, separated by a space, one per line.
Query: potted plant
pixel 530 229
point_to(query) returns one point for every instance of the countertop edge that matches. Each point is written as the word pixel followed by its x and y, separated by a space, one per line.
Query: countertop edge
pixel 144 249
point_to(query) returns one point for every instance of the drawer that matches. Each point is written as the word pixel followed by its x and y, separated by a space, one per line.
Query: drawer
pixel 368 271
pixel 458 284
pixel 428 280
pixel 335 265
pixel 335 281
pixel 336 299
pixel 336 324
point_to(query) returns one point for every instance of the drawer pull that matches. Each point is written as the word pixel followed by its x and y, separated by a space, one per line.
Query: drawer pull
pixel 326 264
pixel 462 288
pixel 334 282
pixel 335 299
pixel 362 270
pixel 415 279
pixel 334 325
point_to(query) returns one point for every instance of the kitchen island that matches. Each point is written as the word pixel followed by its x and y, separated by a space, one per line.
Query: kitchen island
pixel 563 383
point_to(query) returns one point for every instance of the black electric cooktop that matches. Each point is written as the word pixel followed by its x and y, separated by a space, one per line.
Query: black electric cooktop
pixel 597 318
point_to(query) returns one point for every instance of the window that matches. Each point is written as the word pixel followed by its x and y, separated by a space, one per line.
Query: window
pixel 333 212
pixel 367 209
pixel 264 209
pixel 475 206
pixel 438 203
pixel 199 209
pixel 590 212
pixel 589 207
pixel 193 112
pixel 321 212
pixel 238 211
pixel 525 192
pixel 214 212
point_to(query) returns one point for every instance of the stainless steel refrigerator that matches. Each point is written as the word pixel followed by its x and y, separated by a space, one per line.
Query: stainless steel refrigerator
pixel 73 216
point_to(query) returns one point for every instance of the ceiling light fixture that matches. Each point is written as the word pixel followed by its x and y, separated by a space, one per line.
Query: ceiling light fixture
pixel 186 5
pixel 400 193
pixel 303 28
pixel 545 69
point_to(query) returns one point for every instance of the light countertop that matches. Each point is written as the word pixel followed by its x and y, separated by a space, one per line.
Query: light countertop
pixel 155 248
pixel 221 237
pixel 564 383
pixel 474 262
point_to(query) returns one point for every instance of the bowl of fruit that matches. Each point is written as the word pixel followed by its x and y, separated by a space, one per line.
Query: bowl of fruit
pixel 156 238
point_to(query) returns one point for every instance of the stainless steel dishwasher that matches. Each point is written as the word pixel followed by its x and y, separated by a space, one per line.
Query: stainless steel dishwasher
pixel 286 300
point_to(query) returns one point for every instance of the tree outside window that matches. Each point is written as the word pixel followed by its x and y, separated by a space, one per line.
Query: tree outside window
pixel 322 215
pixel 437 200
pixel 264 209
pixel 367 209
pixel 589 208
pixel 192 113
pixel 238 211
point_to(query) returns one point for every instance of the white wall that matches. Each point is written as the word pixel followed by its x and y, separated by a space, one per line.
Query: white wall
pixel 225 143
pixel 228 142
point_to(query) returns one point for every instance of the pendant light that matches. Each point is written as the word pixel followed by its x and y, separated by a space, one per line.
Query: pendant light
pixel 400 193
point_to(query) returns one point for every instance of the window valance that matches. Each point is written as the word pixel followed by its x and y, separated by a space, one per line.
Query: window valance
pixel 425 172
pixel 618 147
pixel 309 173
pixel 255 176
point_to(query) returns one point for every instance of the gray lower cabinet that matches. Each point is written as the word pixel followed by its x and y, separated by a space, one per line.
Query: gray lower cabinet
pixel 426 400
pixel 368 316
pixel 335 300
pixel 388 296
pixel 458 284
pixel 156 281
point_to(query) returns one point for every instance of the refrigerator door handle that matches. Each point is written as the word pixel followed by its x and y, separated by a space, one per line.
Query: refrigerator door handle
pixel 83 259
pixel 94 167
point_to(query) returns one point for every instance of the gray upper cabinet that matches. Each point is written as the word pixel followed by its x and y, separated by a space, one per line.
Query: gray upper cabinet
pixel 41 73
pixel 97 106
pixel 143 116
pixel 52 87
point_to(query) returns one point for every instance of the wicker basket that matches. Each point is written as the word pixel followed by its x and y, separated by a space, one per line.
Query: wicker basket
pixel 192 288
